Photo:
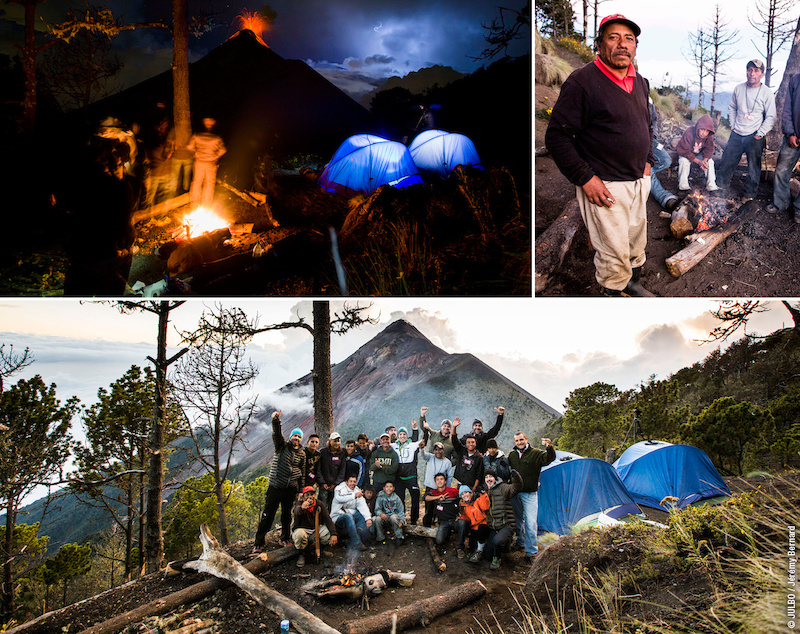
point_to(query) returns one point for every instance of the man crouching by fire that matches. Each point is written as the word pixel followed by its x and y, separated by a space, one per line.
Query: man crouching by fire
pixel 311 526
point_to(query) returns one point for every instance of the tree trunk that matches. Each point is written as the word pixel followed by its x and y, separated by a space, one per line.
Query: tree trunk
pixel 419 613
pixel 7 592
pixel 323 401
pixel 29 67
pixel 552 246
pixel 154 546
pixel 181 111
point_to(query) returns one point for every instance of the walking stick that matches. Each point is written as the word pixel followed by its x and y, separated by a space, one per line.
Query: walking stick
pixel 316 534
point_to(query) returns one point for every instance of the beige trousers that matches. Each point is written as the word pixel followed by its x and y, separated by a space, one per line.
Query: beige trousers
pixel 618 233
pixel 300 536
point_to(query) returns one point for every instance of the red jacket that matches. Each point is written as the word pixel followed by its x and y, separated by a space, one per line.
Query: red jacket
pixel 475 511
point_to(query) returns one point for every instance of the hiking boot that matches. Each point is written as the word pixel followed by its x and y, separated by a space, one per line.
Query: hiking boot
pixel 671 203
pixel 361 547
pixel 771 209
pixel 475 558
pixel 746 198
pixel 634 287
pixel 460 553
pixel 301 560
pixel 495 563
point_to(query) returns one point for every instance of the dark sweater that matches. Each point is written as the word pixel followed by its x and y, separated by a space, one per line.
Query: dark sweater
pixel 330 466
pixel 469 468
pixel 288 467
pixel 790 116
pixel 304 518
pixel 530 465
pixel 598 129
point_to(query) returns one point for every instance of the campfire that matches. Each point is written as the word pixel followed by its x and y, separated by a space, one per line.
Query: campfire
pixel 202 220
pixel 710 211
pixel 354 586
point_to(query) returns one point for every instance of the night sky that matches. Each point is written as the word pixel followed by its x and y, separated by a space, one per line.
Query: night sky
pixel 347 40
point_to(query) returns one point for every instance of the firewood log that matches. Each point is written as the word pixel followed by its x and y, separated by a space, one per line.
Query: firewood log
pixel 419 531
pixel 437 560
pixel 705 242
pixel 217 562
pixel 552 246
pixel 680 226
pixel 418 613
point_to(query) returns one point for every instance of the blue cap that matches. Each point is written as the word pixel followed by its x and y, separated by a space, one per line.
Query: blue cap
pixel 463 489
pixel 296 432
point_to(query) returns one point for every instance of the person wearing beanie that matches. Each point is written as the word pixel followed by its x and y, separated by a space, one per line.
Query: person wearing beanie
pixel 696 147
pixel 500 515
pixel 495 460
pixel 286 477
pixel 431 437
pixel 472 521
pixel 407 479
pixel 480 436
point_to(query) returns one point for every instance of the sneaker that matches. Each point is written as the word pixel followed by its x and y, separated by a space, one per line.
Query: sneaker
pixel 684 187
pixel 460 553
pixel 772 209
pixel 475 558
pixel 746 198
pixel 495 563
pixel 712 188
pixel 671 203
pixel 301 560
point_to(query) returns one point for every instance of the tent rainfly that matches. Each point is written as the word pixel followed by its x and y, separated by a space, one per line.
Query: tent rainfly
pixel 439 151
pixel 653 470
pixel 581 491
pixel 365 162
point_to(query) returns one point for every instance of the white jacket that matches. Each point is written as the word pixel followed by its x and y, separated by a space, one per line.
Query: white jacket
pixel 345 501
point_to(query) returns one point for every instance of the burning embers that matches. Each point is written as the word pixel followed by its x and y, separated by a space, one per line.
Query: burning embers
pixel 709 211
pixel 353 585
pixel 202 220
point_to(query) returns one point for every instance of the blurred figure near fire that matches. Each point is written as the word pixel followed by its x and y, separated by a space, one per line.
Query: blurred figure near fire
pixel 696 147
pixel 181 167
pixel 158 164
pixel 101 204
pixel 751 112
pixel 208 148
pixel 601 137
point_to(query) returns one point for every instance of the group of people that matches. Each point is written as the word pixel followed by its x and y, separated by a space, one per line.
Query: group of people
pixel 602 136
pixel 369 489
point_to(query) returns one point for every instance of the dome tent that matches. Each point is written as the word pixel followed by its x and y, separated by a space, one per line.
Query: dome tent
pixel 439 151
pixel 575 490
pixel 364 162
pixel 652 470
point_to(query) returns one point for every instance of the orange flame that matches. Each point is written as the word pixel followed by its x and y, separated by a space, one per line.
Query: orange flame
pixel 202 220
pixel 253 21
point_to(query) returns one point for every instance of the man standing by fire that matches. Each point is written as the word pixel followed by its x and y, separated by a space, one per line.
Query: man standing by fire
pixel 790 152
pixel 208 148
pixel 600 136
pixel 751 112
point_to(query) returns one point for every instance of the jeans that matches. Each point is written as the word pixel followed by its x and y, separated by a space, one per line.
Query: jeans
pixel 738 145
pixel 526 511
pixel 462 526
pixel 781 196
pixel 355 526
pixel 478 536
pixel 663 161
pixel 445 528
pixel 391 521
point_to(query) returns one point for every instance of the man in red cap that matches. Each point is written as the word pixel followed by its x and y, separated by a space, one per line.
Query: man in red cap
pixel 600 136
pixel 311 515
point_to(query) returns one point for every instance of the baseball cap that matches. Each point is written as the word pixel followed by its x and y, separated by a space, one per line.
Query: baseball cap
pixel 385 434
pixel 335 436
pixel 618 17
pixel 757 63
pixel 308 489
pixel 438 444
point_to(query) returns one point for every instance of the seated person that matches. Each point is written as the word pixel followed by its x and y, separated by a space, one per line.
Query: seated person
pixel 389 512
pixel 445 508
pixel 351 515
pixel 472 520
pixel 697 146
pixel 304 520
pixel 500 516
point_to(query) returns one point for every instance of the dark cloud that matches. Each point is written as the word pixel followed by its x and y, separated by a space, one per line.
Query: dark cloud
pixel 378 59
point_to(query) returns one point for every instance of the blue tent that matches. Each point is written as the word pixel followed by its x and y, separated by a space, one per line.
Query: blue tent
pixel 439 151
pixel 572 488
pixel 364 162
pixel 652 470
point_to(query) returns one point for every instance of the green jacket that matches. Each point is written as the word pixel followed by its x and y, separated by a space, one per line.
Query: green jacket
pixel 389 461
pixel 530 465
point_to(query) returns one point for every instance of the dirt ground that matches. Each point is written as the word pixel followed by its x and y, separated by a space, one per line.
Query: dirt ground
pixel 232 611
pixel 762 259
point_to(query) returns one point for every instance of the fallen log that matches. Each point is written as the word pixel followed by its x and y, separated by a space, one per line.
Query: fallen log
pixel 162 208
pixel 552 246
pixel 156 607
pixel 252 200
pixel 437 560
pixel 703 243
pixel 421 612
pixel 680 226
pixel 419 531
pixel 217 562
